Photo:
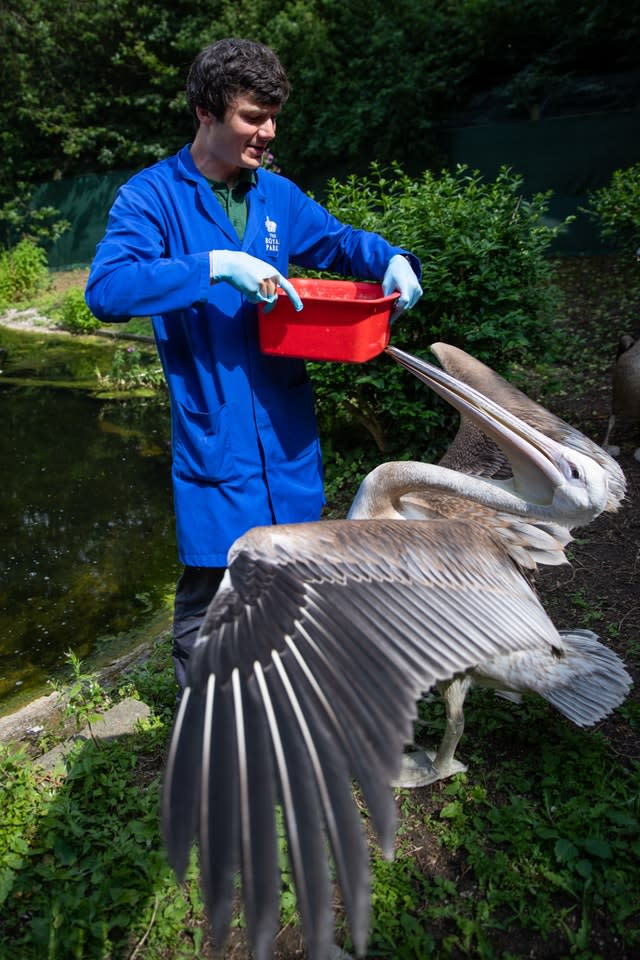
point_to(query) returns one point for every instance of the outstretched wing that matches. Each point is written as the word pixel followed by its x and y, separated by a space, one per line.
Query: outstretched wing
pixel 305 677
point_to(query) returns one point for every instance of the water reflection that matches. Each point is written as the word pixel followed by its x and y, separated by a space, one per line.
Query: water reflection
pixel 86 520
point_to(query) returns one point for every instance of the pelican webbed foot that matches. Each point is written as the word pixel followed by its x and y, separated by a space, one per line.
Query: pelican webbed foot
pixel 419 769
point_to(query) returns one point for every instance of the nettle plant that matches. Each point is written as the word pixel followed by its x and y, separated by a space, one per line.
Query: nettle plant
pixel 488 288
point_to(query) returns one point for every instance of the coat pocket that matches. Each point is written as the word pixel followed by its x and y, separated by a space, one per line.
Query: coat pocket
pixel 202 444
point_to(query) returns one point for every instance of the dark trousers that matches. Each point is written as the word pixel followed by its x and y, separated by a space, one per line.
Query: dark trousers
pixel 194 592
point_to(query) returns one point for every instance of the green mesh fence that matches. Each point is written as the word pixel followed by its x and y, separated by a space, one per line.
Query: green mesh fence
pixel 568 155
pixel 84 202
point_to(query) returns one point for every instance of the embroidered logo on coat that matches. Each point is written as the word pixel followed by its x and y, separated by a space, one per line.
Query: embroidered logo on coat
pixel 271 241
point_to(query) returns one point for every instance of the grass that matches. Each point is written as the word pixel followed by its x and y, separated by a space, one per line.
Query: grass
pixel 540 845
pixel 533 853
pixel 82 868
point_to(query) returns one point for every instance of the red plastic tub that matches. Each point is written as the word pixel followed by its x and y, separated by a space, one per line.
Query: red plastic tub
pixel 342 320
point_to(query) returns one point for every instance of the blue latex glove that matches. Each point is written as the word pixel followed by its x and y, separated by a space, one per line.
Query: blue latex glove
pixel 247 274
pixel 399 276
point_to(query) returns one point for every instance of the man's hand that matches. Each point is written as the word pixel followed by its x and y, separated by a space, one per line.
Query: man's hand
pixel 254 278
pixel 399 276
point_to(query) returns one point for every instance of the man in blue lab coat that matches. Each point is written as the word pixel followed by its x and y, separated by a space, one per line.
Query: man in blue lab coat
pixel 196 241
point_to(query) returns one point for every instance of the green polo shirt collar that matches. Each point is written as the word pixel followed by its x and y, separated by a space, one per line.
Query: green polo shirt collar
pixel 233 200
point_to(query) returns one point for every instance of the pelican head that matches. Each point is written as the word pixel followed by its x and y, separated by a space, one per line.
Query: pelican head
pixel 554 480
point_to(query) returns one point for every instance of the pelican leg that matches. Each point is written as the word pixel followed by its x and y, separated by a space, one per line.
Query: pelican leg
pixel 453 694
pixel 422 767
pixel 611 448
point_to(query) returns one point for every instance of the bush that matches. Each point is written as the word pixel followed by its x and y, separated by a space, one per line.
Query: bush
pixel 487 284
pixel 75 315
pixel 23 272
pixel 616 207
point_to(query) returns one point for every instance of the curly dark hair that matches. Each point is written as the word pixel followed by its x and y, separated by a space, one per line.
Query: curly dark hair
pixel 230 68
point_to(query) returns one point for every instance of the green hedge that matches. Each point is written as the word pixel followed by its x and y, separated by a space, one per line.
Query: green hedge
pixel 488 288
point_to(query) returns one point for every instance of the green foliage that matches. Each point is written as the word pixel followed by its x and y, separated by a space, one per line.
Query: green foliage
pixel 343 470
pixel 93 865
pixel 152 680
pixel 367 72
pixel 83 872
pixel 83 698
pixel 75 315
pixel 488 288
pixel 133 368
pixel 616 208
pixel 545 846
pixel 399 929
pixel 100 86
pixel 537 48
pixel 19 219
pixel 23 272
pixel 487 281
pixel 58 117
pixel 21 802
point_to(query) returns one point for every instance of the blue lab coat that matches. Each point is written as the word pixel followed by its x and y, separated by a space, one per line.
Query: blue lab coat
pixel 245 446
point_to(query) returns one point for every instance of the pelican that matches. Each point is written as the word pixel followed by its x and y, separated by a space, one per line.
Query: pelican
pixel 625 394
pixel 323 637
pixel 570 676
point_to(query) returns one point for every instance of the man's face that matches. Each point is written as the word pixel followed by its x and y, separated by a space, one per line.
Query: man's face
pixel 241 139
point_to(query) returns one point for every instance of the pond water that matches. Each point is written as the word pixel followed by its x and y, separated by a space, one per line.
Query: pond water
pixel 86 525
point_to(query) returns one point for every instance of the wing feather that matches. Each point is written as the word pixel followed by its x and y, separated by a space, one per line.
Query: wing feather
pixel 302 812
pixel 306 676
pixel 182 784
pixel 257 802
pixel 368 738
pixel 578 675
pixel 344 826
pixel 219 821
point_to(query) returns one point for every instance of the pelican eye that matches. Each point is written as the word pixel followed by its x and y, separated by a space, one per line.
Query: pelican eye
pixel 571 470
